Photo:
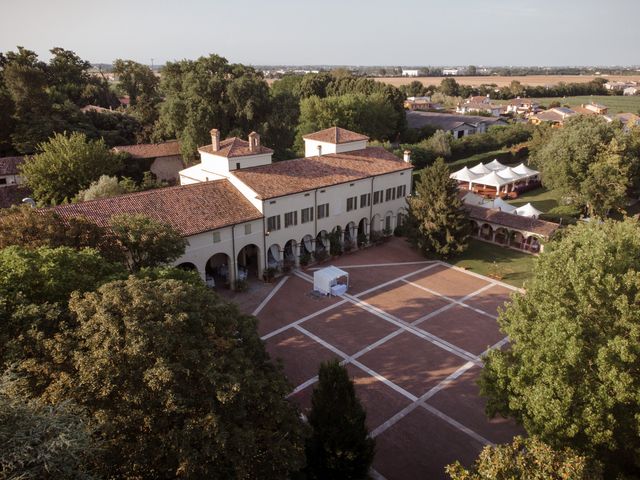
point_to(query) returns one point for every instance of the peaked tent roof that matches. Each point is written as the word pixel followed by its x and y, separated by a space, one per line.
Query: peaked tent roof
pixel 509 173
pixel 493 179
pixel 495 165
pixel 503 206
pixel 522 169
pixel 528 210
pixel 336 135
pixel 465 175
pixel 480 168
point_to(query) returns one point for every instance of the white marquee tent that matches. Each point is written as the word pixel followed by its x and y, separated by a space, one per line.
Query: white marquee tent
pixel 465 175
pixel 528 210
pixel 480 169
pixel 496 175
pixel 329 281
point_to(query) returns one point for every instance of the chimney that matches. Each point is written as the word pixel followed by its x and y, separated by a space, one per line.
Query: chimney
pixel 254 142
pixel 215 139
pixel 407 156
pixel 319 147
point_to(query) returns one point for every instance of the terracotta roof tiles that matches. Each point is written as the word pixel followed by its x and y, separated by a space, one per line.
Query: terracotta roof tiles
pixel 336 135
pixel 9 165
pixel 509 220
pixel 151 150
pixel 235 147
pixel 190 209
pixel 303 174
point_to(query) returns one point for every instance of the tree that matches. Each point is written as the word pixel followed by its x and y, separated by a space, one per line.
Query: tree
pixel 437 221
pixel 569 374
pixel 65 165
pixel 136 80
pixel 30 228
pixel 104 187
pixel 440 143
pixel 178 384
pixel 339 446
pixel 146 242
pixel 42 441
pixel 528 459
pixel 449 87
pixel 582 161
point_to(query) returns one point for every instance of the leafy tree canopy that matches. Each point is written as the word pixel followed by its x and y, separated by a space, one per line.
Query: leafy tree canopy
pixel 570 373
pixel 528 459
pixel 437 221
pixel 65 165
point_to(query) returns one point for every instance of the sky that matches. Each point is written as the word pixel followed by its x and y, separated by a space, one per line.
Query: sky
pixel 331 32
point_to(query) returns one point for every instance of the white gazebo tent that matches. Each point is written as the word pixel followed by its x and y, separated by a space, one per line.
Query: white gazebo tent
pixel 465 175
pixel 494 180
pixel 528 210
pixel 330 281
pixel 522 169
pixel 480 169
pixel 503 206
pixel 495 165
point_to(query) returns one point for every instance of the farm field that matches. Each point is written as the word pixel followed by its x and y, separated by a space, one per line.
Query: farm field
pixel 502 81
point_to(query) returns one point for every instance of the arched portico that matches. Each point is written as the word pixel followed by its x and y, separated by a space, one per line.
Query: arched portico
pixel 350 236
pixel 218 270
pixel 274 257
pixel 376 223
pixel 388 221
pixel 290 254
pixel 249 262
pixel 363 232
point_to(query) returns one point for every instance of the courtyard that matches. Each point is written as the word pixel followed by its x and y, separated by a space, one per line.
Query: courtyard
pixel 412 333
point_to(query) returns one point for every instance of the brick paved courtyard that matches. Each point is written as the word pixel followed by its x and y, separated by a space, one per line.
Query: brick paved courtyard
pixel 412 334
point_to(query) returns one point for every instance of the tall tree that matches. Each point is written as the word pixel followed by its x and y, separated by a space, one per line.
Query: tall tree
pixel 449 87
pixel 339 446
pixel 528 459
pixel 42 441
pixel 569 374
pixel 147 243
pixel 437 221
pixel 178 384
pixel 65 165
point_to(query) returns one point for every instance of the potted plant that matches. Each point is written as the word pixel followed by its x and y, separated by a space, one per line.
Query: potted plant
pixel 362 240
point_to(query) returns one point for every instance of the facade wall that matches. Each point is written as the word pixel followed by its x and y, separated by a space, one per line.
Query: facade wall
pixel 223 166
pixel 167 168
pixel 6 180
pixel 311 147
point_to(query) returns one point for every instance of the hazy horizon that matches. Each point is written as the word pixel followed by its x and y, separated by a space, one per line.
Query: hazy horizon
pixel 357 33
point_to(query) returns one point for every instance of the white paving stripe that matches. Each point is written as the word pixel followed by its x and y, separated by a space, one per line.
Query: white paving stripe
pixel 270 296
pixel 483 277
pixel 373 473
pixel 456 424
pixel 453 300
pixel 392 264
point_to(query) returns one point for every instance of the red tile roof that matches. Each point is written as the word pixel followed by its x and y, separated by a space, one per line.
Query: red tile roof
pixel 9 165
pixel 190 209
pixel 509 220
pixel 151 150
pixel 302 174
pixel 336 135
pixel 235 147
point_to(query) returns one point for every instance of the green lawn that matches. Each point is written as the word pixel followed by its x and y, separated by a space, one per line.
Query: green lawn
pixel 541 198
pixel 515 267
pixel 616 104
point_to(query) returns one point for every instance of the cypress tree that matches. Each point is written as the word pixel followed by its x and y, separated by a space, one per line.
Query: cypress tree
pixel 339 446
pixel 437 221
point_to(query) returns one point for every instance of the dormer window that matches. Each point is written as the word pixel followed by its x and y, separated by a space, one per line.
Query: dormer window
pixel 237 165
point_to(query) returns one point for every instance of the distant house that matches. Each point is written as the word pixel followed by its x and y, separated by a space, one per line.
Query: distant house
pixel 162 159
pixel 554 116
pixel 410 73
pixel 635 90
pixel 618 86
pixel 457 125
pixel 480 104
pixel 11 189
pixel 628 120
pixel 523 106
pixel 450 72
pixel 418 103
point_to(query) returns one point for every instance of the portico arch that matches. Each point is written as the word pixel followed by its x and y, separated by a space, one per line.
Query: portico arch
pixel 218 270
pixel 363 232
pixel 274 256
pixel 290 255
pixel 249 262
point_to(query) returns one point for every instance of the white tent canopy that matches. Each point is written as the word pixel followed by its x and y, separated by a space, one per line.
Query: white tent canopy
pixel 493 179
pixel 528 210
pixel 510 173
pixel 495 165
pixel 327 279
pixel 480 169
pixel 465 175
pixel 522 169
pixel 503 206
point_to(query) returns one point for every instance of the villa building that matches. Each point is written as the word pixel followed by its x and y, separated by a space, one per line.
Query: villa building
pixel 242 213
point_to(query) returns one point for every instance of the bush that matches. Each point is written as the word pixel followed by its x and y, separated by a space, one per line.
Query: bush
pixel 305 259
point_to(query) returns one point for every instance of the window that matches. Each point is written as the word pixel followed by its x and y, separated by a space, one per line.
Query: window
pixel 273 223
pixel 377 197
pixel 401 190
pixel 290 219
pixel 306 215
pixel 352 203
pixel 247 229
pixel 237 165
pixel 365 200
pixel 216 237
pixel 323 210
pixel 390 194
pixel 3 181
pixel 272 202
